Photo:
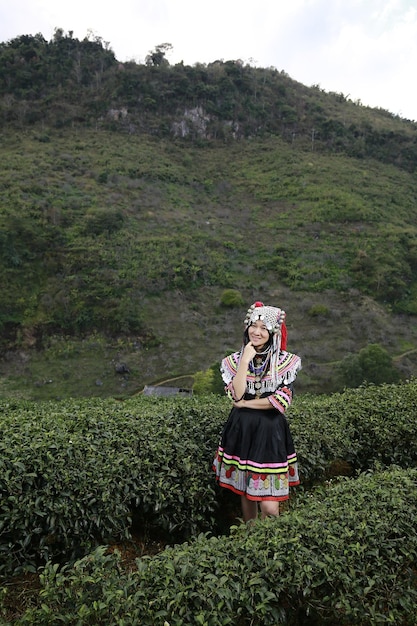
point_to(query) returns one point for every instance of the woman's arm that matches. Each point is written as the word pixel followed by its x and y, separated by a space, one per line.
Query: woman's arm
pixel 239 381
pixel 280 400
pixel 256 403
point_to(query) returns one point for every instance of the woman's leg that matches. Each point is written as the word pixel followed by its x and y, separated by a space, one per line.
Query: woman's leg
pixel 249 509
pixel 269 507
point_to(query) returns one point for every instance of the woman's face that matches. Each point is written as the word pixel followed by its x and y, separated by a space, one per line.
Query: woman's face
pixel 258 334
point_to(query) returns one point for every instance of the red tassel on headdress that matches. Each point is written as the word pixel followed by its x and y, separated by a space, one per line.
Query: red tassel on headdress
pixel 283 336
pixel 258 304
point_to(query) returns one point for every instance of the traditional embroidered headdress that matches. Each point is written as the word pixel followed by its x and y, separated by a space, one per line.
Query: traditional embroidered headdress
pixel 274 320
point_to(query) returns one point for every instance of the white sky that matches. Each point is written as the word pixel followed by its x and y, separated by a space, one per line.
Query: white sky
pixel 365 49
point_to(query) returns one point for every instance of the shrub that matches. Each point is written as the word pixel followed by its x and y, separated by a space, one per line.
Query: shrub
pixel 103 220
pixel 74 473
pixel 217 385
pixel 231 298
pixel 203 382
pixel 345 556
pixel 360 426
pixel 209 381
pixel 318 310
pixel 372 364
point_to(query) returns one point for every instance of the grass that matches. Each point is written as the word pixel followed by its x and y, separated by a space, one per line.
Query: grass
pixel 187 343
pixel 132 240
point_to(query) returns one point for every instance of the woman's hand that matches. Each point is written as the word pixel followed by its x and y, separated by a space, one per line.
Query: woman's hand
pixel 248 353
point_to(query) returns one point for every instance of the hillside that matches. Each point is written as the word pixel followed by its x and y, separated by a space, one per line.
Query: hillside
pixel 134 195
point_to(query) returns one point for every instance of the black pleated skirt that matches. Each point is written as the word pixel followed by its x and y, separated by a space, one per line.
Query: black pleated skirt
pixel 256 455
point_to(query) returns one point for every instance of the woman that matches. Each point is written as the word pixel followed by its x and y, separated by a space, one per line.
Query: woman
pixel 256 456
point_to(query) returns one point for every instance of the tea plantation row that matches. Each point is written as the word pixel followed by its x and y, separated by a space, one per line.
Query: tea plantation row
pixel 347 557
pixel 73 473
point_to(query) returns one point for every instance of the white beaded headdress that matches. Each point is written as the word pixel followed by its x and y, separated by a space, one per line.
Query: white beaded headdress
pixel 271 316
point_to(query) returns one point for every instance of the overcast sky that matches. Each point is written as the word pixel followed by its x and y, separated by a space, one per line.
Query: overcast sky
pixel 365 49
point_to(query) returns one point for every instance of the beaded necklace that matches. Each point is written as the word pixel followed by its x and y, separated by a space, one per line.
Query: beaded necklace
pixel 258 367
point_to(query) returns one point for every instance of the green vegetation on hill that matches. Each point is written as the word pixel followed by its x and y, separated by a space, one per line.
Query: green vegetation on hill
pixel 133 195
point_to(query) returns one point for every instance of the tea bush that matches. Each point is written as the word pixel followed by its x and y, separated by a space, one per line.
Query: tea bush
pixel 72 473
pixel 361 426
pixel 345 555
pixel 75 474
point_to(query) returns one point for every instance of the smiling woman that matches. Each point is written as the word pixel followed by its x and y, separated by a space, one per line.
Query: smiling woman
pixel 256 457
pixel 258 334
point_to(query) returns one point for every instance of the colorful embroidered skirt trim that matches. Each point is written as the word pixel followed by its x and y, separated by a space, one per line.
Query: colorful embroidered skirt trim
pixel 256 481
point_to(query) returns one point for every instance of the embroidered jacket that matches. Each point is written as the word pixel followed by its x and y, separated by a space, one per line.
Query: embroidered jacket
pixel 279 392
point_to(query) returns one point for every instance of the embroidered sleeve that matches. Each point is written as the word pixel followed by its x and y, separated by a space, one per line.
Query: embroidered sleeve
pixel 282 398
pixel 230 392
pixel 288 367
pixel 228 371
